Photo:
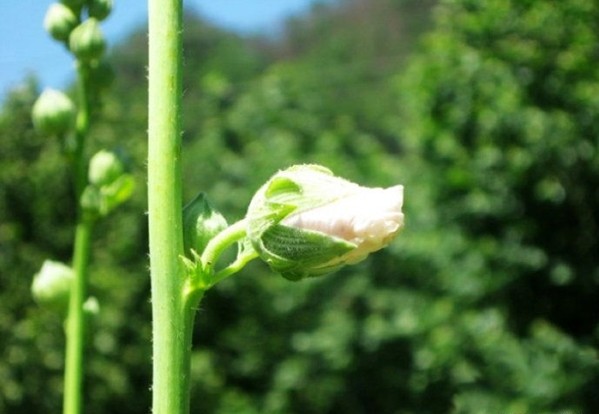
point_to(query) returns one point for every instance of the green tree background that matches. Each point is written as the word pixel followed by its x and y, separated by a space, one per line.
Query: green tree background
pixel 487 303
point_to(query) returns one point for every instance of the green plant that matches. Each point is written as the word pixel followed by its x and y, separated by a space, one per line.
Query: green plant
pixel 100 184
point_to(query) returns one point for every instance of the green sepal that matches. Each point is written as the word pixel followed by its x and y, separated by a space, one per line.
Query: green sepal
pixel 297 254
pixel 198 277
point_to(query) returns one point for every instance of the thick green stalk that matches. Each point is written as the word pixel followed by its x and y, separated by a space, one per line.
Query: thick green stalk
pixel 172 315
pixel 75 323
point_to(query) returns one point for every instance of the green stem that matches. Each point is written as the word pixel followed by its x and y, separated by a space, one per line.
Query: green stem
pixel 75 324
pixel 234 267
pixel 81 129
pixel 221 241
pixel 204 277
pixel 75 321
pixel 171 313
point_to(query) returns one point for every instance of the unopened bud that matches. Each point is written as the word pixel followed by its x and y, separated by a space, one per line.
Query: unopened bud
pixel 91 306
pixel 99 9
pixel 60 21
pixel 109 183
pixel 53 113
pixel 200 224
pixel 306 222
pixel 105 167
pixel 87 41
pixel 52 285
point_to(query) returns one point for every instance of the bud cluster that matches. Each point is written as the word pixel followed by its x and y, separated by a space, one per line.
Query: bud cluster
pixel 76 23
pixel 64 22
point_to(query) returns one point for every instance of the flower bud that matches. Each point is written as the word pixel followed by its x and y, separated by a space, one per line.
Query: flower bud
pixel 104 168
pixel 91 306
pixel 109 183
pixel 87 41
pixel 99 9
pixel 60 21
pixel 52 285
pixel 200 224
pixel 306 222
pixel 53 113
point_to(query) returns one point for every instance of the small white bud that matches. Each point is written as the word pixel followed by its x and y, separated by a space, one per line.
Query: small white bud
pixel 52 285
pixel 370 218
pixel 60 21
pixel 53 113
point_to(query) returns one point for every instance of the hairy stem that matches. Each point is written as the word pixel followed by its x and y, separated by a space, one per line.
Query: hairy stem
pixel 172 316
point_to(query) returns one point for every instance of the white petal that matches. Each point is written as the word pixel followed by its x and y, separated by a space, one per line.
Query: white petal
pixel 369 218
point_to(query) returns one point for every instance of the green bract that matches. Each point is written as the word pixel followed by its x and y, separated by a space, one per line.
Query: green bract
pixel 306 222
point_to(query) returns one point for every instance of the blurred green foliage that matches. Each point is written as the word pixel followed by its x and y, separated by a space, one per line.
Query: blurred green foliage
pixel 487 303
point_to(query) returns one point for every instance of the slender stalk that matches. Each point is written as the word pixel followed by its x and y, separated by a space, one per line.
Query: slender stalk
pixel 205 277
pixel 234 267
pixel 75 323
pixel 81 129
pixel 221 241
pixel 75 328
pixel 171 313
